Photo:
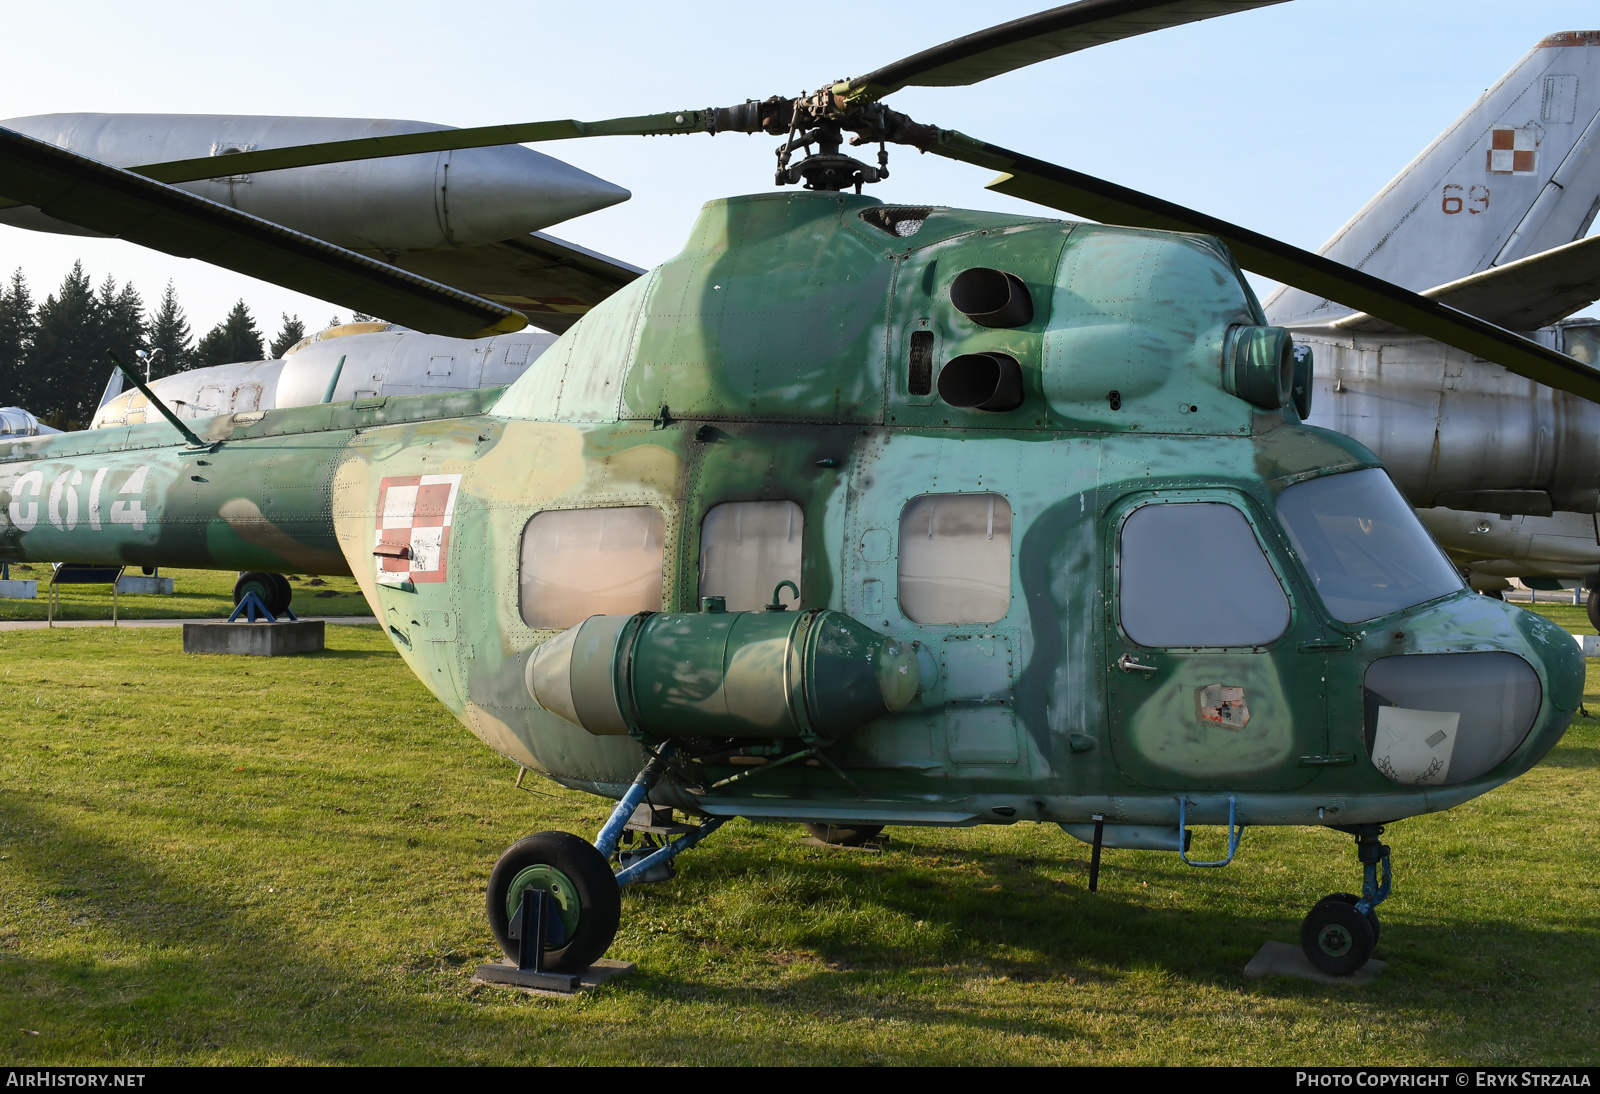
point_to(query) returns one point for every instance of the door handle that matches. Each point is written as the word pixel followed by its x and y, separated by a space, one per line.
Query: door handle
pixel 1127 664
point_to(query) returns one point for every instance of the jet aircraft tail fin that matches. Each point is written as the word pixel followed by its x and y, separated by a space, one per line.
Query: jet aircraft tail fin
pixel 1516 175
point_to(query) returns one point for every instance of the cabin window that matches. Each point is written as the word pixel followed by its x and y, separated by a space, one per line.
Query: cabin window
pixel 582 562
pixel 1193 574
pixel 955 558
pixel 746 548
pixel 1366 551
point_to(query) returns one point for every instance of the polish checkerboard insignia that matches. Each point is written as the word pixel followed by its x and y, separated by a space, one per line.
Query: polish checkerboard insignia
pixel 413 535
pixel 1513 151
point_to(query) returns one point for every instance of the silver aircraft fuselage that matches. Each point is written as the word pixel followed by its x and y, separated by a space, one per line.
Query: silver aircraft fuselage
pixel 354 361
pixel 405 203
pixel 1505 472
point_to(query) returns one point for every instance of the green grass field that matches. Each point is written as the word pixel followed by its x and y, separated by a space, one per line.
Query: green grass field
pixel 209 859
pixel 197 594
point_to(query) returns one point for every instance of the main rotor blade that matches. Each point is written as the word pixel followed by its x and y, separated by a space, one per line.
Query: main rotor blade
pixel 106 199
pixel 1096 199
pixel 409 144
pixel 1034 38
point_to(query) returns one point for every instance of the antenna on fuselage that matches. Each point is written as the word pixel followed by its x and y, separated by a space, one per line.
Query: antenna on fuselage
pixel 144 390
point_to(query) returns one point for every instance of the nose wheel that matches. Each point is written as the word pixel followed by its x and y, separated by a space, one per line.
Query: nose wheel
pixel 1341 931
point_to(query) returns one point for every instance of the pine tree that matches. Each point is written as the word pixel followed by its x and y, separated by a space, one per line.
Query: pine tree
pixel 171 343
pixel 234 339
pixel 293 330
pixel 61 369
pixel 122 331
pixel 16 335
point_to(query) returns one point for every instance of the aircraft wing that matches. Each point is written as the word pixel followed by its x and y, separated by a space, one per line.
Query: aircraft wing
pixel 1527 294
pixel 549 280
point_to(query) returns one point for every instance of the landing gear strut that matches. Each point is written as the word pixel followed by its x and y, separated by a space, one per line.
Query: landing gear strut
pixel 1339 934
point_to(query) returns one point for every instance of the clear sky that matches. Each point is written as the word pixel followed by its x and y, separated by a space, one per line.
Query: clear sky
pixel 1285 120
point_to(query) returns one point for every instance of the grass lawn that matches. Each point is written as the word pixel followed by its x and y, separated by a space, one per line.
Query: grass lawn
pixel 197 594
pixel 210 859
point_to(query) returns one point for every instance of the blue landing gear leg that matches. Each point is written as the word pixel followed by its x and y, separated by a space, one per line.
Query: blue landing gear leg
pixel 1339 934
pixel 647 867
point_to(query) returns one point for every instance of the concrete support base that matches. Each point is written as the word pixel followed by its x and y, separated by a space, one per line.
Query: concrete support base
pixel 136 584
pixel 254 639
pixel 13 589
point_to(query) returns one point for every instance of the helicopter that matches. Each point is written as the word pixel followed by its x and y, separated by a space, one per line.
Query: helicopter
pixel 858 514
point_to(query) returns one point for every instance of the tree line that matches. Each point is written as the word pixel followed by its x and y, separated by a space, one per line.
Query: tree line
pixel 55 354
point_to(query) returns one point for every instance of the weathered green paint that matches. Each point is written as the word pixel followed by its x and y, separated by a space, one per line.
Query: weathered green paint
pixel 769 362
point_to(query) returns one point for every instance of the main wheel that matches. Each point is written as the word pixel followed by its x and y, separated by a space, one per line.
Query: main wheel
pixel 1336 938
pixel 271 589
pixel 285 594
pixel 852 835
pixel 1352 900
pixel 1594 608
pixel 578 879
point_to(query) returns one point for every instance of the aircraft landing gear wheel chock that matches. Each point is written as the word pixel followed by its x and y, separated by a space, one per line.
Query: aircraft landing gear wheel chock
pixel 844 835
pixel 1341 931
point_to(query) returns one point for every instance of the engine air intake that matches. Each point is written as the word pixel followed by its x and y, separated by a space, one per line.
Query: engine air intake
pixel 1258 365
pixel 982 381
pixel 992 298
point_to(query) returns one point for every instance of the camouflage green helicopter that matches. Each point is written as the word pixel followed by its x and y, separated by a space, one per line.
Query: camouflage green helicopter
pixel 859 514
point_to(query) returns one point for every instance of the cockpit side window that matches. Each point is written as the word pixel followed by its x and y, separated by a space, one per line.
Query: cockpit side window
pixel 1193 574
pixel 747 548
pixel 1366 551
pixel 582 562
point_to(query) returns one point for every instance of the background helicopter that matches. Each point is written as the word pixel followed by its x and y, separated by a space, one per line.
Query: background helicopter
pixel 1008 421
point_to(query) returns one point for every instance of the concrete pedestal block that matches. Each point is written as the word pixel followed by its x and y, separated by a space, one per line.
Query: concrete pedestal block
pixel 14 589
pixel 135 584
pixel 254 639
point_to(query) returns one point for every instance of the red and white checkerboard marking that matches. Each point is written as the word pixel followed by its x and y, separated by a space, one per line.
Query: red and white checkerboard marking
pixel 1512 151
pixel 415 511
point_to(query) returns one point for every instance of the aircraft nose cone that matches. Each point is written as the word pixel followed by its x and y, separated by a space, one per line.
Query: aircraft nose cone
pixel 490 194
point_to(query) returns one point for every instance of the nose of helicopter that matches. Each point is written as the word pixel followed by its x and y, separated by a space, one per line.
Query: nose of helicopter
pixel 1466 690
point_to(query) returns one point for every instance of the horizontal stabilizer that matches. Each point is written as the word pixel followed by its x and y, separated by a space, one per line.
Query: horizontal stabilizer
pixel 1527 294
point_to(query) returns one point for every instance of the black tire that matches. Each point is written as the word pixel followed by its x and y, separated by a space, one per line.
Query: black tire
pixel 1336 938
pixel 261 584
pixel 573 868
pixel 841 835
pixel 285 594
pixel 1593 608
pixel 1352 899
